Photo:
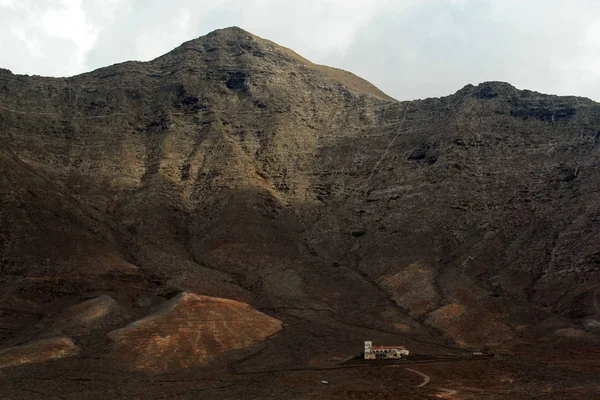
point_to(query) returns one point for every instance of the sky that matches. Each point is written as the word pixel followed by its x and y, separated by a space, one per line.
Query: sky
pixel 408 48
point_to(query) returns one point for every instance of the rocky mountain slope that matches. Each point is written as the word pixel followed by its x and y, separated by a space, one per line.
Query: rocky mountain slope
pixel 232 167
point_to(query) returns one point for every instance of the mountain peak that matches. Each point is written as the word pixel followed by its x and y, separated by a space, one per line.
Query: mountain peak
pixel 488 89
pixel 235 47
pixel 230 30
pixel 230 33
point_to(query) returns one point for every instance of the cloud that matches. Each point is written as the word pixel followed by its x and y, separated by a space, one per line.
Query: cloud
pixel 435 47
pixel 50 39
pixel 409 48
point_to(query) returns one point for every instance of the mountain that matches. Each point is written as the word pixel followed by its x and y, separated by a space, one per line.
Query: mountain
pixel 231 209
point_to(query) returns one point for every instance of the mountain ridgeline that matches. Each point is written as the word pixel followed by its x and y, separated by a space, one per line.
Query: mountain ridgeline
pixel 233 168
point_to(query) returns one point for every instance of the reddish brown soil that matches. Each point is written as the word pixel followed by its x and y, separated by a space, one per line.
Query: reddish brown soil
pixel 190 331
pixel 38 352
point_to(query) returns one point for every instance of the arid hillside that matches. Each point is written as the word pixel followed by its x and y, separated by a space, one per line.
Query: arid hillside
pixel 231 206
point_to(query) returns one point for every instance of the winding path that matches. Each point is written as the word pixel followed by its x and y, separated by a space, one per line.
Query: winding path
pixel 425 377
pixel 444 393
pixel 447 393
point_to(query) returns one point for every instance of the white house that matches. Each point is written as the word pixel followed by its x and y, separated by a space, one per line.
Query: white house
pixel 384 352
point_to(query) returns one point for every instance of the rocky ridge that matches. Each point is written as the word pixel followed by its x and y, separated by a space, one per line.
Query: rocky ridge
pixel 232 167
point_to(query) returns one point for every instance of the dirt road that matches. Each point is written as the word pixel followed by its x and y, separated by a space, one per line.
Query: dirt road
pixel 425 377
pixel 443 394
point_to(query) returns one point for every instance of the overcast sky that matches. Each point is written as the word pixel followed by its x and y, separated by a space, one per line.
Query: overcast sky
pixel 408 48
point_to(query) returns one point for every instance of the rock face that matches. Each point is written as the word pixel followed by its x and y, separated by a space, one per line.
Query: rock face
pixel 232 167
pixel 190 331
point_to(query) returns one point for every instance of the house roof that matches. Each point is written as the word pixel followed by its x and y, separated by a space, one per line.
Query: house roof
pixel 388 348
